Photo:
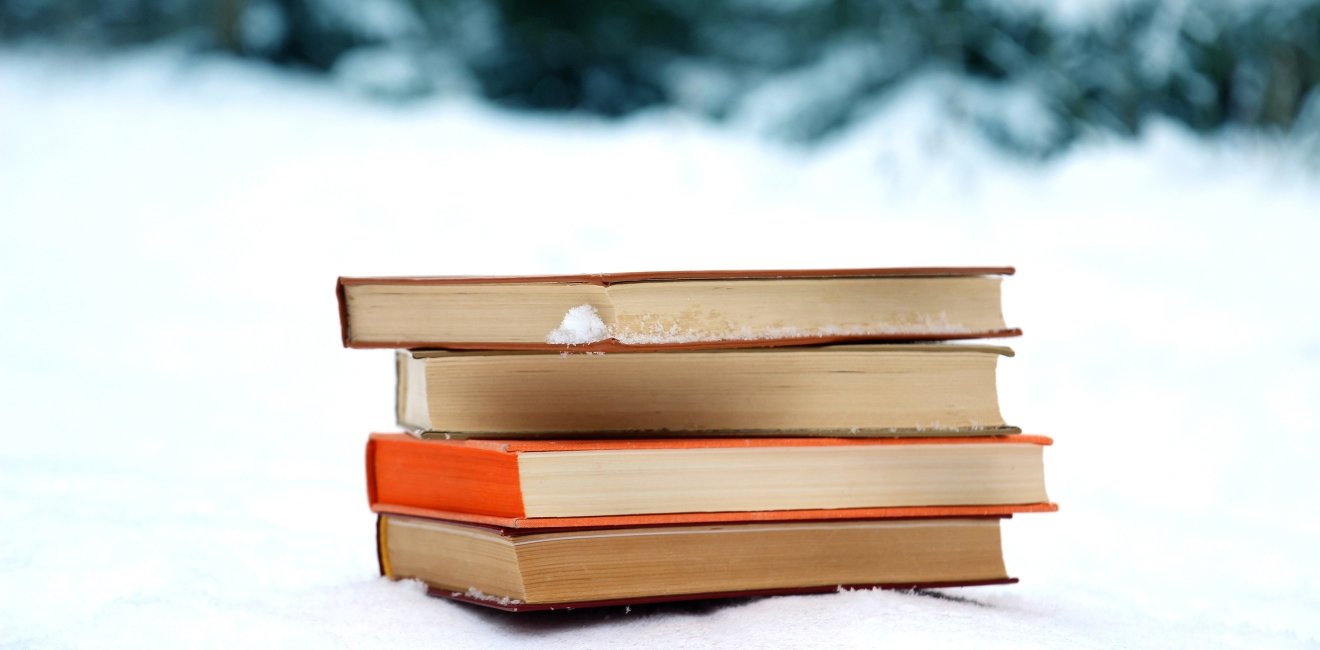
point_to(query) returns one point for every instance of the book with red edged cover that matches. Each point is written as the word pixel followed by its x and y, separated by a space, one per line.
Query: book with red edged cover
pixel 676 309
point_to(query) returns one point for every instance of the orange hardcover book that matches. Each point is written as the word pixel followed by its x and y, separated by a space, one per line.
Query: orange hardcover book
pixel 679 309
pixel 639 482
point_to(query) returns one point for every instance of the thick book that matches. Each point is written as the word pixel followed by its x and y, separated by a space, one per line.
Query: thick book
pixel 557 483
pixel 625 311
pixel 835 390
pixel 551 569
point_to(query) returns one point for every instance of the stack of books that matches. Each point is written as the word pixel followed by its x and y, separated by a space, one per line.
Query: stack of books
pixel 581 441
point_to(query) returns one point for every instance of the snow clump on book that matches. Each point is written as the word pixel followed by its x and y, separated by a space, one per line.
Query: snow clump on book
pixel 580 325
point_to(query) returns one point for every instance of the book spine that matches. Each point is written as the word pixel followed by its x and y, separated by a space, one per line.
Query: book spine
pixel 343 312
pixel 404 471
pixel 383 547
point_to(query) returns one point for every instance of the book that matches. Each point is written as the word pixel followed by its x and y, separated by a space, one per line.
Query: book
pixel 836 390
pixel 540 483
pixel 548 569
pixel 672 309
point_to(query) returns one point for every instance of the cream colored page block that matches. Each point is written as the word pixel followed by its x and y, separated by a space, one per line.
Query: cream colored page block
pixel 617 482
pixel 696 560
pixel 466 312
pixel 713 391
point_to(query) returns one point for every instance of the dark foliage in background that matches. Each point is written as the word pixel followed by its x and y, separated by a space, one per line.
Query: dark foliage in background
pixel 1205 64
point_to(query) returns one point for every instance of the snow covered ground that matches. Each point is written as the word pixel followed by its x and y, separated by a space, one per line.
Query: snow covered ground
pixel 182 433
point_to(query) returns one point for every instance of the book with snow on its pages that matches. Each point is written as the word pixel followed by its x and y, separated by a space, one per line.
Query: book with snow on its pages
pixel 629 311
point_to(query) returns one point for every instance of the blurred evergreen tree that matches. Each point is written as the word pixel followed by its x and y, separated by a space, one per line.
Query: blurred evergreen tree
pixel 1206 64
pixel 595 55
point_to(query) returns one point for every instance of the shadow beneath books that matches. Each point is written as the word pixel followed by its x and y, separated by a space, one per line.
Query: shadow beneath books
pixel 940 595
pixel 541 622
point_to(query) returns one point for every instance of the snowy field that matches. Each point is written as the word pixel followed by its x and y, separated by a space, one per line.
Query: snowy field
pixel 183 434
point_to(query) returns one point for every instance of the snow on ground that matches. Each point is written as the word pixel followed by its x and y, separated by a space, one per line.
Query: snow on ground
pixel 181 464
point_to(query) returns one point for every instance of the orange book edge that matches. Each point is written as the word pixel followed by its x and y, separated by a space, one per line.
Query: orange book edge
pixel 596 444
pixel 692 518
